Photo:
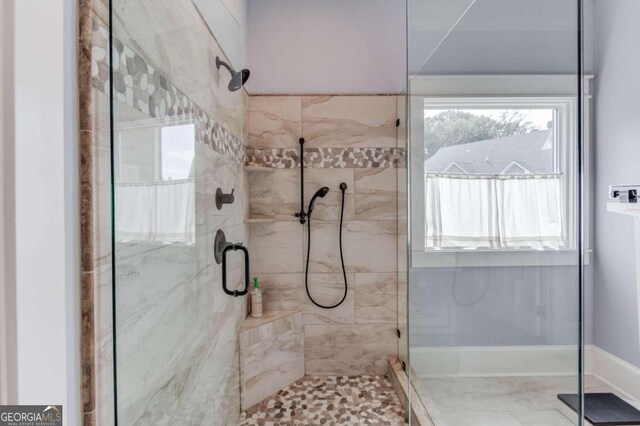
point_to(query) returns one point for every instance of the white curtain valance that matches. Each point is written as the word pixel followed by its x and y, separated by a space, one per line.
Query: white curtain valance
pixel 494 211
pixel 156 211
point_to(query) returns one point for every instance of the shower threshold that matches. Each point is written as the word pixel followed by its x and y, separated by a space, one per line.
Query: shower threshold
pixel 602 409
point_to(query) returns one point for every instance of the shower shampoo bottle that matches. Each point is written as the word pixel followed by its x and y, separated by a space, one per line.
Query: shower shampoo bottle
pixel 256 299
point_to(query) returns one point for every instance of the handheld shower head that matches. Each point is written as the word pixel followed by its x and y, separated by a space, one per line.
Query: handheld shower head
pixel 238 78
pixel 319 193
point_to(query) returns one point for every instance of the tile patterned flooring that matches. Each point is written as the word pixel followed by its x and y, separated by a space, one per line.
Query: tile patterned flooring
pixel 330 400
pixel 502 401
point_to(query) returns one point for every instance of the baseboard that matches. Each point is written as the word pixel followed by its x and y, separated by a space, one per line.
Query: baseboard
pixel 495 361
pixel 615 372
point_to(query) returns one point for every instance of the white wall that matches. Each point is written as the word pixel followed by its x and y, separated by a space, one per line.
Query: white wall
pixel 493 36
pixel 617 141
pixel 8 390
pixel 329 46
pixel 45 208
pixel 358 46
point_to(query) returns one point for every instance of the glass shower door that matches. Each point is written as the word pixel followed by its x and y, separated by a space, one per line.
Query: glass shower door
pixel 177 140
pixel 494 268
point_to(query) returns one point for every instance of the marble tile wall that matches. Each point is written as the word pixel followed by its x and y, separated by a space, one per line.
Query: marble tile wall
pixel 177 332
pixel 349 139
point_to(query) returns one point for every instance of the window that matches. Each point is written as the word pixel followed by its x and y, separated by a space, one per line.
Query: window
pixel 177 151
pixel 149 152
pixel 155 182
pixel 492 176
pixel 493 173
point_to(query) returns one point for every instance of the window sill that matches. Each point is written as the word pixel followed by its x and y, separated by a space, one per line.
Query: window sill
pixel 480 258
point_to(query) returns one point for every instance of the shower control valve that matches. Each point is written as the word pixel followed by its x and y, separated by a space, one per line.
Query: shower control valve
pixel 301 215
pixel 222 198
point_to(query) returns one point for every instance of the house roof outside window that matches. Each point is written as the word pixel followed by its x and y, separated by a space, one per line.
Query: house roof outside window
pixel 517 154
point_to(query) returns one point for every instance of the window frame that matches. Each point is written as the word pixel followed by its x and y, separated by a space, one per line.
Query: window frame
pixel 503 91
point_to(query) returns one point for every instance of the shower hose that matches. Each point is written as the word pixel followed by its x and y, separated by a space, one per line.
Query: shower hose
pixel 344 272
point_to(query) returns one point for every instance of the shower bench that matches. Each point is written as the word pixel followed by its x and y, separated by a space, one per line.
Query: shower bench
pixel 271 354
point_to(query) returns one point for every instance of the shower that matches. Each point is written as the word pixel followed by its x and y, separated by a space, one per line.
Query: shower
pixel 320 193
pixel 238 78
pixel 305 217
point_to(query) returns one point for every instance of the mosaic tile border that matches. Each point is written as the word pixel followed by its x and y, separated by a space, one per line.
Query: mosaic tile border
pixel 336 158
pixel 141 86
pixel 330 400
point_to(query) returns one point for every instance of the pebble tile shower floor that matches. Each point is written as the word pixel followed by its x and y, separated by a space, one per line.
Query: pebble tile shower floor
pixel 330 400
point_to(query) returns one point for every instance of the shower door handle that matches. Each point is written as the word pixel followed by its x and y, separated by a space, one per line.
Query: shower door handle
pixel 235 247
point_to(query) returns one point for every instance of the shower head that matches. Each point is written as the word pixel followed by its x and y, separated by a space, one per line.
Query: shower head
pixel 238 78
pixel 319 193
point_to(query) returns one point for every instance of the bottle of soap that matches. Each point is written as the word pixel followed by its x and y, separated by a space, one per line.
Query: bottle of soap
pixel 256 299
